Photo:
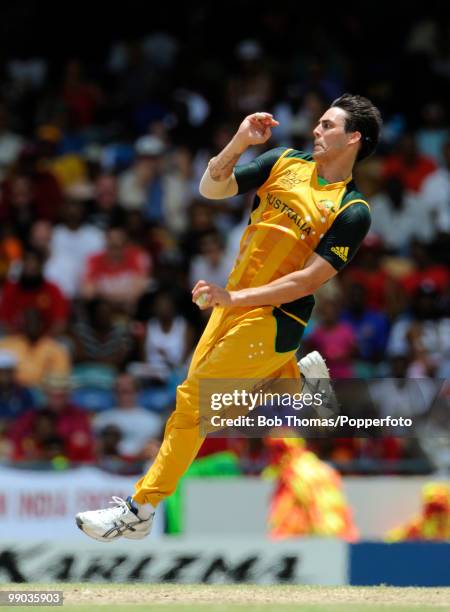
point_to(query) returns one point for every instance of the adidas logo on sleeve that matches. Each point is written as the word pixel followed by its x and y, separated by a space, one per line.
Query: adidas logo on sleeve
pixel 341 252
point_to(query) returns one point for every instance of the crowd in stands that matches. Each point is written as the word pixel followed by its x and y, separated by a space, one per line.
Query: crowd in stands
pixel 103 233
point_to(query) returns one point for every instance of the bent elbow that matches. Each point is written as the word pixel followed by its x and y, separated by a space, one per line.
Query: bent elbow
pixel 217 190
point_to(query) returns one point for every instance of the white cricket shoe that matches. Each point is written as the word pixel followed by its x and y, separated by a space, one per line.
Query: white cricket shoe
pixel 317 377
pixel 108 524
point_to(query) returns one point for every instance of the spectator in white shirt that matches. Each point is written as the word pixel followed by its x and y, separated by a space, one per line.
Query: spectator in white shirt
pixel 73 242
pixel 213 264
pixel 10 143
pixel 137 425
pixel 398 216
pixel 169 340
pixel 435 193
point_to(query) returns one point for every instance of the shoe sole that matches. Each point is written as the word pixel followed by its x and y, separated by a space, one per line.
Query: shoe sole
pixel 139 537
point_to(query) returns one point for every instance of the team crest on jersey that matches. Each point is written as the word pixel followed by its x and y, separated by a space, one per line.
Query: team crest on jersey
pixel 290 179
pixel 326 206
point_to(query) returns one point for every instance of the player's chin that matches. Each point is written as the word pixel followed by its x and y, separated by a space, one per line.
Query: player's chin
pixel 318 153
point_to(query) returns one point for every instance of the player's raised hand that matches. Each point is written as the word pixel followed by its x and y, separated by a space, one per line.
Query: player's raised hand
pixel 255 129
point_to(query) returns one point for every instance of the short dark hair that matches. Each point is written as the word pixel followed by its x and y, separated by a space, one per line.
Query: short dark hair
pixel 362 116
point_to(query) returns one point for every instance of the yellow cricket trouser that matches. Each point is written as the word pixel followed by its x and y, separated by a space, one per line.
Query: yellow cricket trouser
pixel 236 344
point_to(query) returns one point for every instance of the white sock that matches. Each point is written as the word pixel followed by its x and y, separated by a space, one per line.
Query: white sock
pixel 144 510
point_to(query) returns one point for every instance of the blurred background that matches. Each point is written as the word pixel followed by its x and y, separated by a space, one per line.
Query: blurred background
pixel 108 117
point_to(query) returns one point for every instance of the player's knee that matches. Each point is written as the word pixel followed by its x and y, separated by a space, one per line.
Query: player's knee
pixel 187 407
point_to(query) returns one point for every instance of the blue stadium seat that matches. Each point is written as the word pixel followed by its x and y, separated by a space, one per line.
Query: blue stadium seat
pixel 93 398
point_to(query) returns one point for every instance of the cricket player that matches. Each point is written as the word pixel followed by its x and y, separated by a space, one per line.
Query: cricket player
pixel 307 222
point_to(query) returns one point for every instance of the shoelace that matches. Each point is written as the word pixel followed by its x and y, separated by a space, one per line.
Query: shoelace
pixel 120 504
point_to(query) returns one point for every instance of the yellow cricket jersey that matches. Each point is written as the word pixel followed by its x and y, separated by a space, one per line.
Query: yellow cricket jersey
pixel 295 213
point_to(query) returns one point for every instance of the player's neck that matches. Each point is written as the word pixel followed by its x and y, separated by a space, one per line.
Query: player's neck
pixel 335 171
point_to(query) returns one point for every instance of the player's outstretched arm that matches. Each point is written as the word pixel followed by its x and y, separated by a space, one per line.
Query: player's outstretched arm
pixel 218 181
pixel 281 291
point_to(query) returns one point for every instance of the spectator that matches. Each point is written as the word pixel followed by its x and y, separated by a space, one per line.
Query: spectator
pixel 334 339
pixel 10 142
pixel 170 338
pixel 382 290
pixel 408 165
pixel 14 398
pixel 68 167
pixel 81 97
pixel 30 189
pixel 98 338
pixel 107 447
pixel 432 136
pixel 57 428
pixel 135 424
pixel 120 273
pixel 73 242
pixel 17 205
pixel 370 326
pixel 150 187
pixel 40 238
pixel 38 355
pixel 298 116
pixel 251 88
pixel 422 334
pixel 425 271
pixel 43 444
pixel 105 210
pixel 435 193
pixel 396 207
pixel 201 223
pixel 32 291
pixel 399 395
pixel 11 253
pixel 212 264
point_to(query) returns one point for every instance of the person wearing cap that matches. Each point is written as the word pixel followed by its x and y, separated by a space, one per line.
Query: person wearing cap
pixel 141 181
pixel 252 86
pixel 149 187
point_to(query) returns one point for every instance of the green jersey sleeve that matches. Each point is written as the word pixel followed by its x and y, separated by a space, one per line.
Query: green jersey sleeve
pixel 253 175
pixel 342 241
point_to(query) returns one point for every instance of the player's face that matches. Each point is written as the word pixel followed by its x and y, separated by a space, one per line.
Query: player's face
pixel 330 137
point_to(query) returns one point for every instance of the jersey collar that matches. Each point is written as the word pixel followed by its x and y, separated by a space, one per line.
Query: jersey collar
pixel 321 183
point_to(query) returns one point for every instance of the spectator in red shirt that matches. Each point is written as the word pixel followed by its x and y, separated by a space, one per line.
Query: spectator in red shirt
pixel 30 191
pixel 408 164
pixel 382 290
pixel 81 97
pixel 32 291
pixel 59 428
pixel 425 271
pixel 120 273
